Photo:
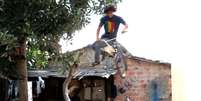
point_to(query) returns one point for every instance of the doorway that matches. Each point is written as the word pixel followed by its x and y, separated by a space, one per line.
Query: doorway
pixel 96 89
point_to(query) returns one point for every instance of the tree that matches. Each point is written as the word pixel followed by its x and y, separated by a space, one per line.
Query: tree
pixel 43 21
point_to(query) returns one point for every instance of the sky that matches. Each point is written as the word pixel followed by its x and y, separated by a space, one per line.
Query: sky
pixel 165 30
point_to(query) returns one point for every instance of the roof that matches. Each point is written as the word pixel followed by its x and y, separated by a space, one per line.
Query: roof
pixel 147 60
pixel 45 73
pixel 99 72
pixel 85 69
pixel 79 74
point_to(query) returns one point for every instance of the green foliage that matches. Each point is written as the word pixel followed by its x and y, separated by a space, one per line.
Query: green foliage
pixel 7 68
pixel 38 52
pixel 36 59
pixel 43 17
pixel 7 63
pixel 67 59
pixel 8 41
pixel 98 5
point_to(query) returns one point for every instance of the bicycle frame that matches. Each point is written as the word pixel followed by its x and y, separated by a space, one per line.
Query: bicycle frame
pixel 109 48
pixel 112 47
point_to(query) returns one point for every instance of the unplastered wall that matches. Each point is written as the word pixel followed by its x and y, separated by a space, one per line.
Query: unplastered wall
pixel 145 81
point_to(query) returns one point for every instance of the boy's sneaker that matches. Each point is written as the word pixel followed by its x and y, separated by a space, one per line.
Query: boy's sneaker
pixel 95 63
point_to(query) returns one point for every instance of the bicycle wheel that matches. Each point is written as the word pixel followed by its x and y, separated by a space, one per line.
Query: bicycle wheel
pixel 121 64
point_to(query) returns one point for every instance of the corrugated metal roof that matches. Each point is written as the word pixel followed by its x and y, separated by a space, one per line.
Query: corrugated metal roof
pixel 99 72
pixel 79 74
pixel 45 73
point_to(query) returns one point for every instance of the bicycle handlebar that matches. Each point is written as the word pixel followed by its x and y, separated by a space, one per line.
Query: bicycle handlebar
pixel 106 41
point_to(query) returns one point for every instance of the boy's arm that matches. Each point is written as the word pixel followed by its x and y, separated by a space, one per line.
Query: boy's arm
pixel 125 28
pixel 125 25
pixel 97 33
pixel 99 28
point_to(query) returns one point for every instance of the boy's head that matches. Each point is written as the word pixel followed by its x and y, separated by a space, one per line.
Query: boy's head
pixel 110 9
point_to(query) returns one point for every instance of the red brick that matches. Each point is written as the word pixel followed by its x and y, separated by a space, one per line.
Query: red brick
pixel 141 78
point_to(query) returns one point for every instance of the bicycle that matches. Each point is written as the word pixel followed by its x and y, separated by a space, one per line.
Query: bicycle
pixel 116 52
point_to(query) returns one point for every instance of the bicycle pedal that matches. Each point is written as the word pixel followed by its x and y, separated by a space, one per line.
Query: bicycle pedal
pixel 123 75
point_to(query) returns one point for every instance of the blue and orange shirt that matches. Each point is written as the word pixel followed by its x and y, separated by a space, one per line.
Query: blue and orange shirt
pixel 111 25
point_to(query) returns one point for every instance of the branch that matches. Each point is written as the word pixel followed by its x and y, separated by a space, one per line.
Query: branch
pixel 67 81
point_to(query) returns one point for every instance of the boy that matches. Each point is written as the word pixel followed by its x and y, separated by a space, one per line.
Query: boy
pixel 111 24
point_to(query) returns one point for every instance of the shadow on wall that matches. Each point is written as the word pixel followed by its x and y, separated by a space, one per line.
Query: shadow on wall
pixel 158 89
pixel 154 91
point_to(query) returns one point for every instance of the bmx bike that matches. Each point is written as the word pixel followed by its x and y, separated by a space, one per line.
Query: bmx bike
pixel 114 50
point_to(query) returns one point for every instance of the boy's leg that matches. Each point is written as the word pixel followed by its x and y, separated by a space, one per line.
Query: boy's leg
pixel 97 47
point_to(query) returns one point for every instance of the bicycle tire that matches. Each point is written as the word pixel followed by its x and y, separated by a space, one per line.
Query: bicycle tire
pixel 121 64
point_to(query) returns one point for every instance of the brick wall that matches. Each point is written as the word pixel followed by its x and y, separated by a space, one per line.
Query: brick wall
pixel 146 80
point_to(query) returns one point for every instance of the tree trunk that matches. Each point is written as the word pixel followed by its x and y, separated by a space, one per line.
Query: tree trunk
pixel 22 68
pixel 65 89
pixel 67 82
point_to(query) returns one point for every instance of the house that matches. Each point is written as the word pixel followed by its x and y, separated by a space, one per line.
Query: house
pixel 146 80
